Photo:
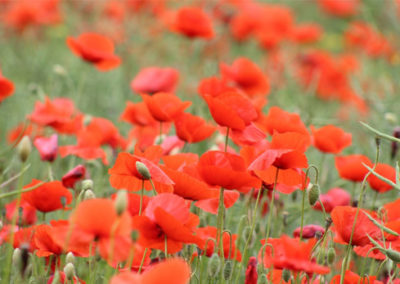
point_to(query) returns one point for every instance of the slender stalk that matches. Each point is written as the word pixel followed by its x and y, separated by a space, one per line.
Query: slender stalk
pixel 303 201
pixel 220 230
pixel 226 139
pixel 143 258
pixel 141 198
pixel 271 207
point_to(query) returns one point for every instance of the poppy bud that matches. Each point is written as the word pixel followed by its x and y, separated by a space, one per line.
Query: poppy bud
pixel 396 133
pixel 393 255
pixel 89 195
pixel 87 119
pixel 69 270
pixel 121 202
pixel 263 279
pixel 246 232
pixel 313 194
pixel 391 117
pixel 134 235
pixel 228 270
pixel 16 258
pixel 87 184
pixel 214 265
pixel 70 258
pixel 286 275
pixel 331 255
pixel 143 170
pixel 24 148
pixel 59 70
pixel 242 223
pixel 251 271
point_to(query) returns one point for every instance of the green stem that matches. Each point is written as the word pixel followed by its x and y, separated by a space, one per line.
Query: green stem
pixel 141 199
pixel 226 139
pixel 143 258
pixel 220 229
pixel 271 207
pixel 303 201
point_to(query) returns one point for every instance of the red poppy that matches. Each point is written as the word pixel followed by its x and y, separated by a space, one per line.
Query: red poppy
pixel 247 76
pixel 134 203
pixel 45 246
pixel 6 87
pixel 28 216
pixel 227 170
pixel 24 236
pixel 63 279
pixel 251 271
pixel 309 231
pixel 167 216
pixel 169 271
pixel 351 167
pixel 352 278
pixel 165 106
pixel 47 147
pixel 306 33
pixel 24 129
pixel 152 80
pixel 138 114
pixel 48 197
pixel 115 10
pixel 73 176
pixel 84 152
pixel 193 22
pixel 334 197
pixel 330 139
pixel 231 109
pixel 211 205
pixel 191 128
pixel 214 86
pixel 339 7
pixel 291 254
pixel 96 49
pixel 386 171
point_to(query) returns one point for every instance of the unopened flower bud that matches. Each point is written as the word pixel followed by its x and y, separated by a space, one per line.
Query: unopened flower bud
pixel 87 119
pixel 59 70
pixel 143 170
pixel 89 195
pixel 24 148
pixel 16 257
pixel 121 202
pixel 331 255
pixel 69 270
pixel 262 279
pixel 313 194
pixel 228 270
pixel 87 184
pixel 391 117
pixel 393 255
pixel 286 275
pixel 214 265
pixel 70 258
pixel 134 235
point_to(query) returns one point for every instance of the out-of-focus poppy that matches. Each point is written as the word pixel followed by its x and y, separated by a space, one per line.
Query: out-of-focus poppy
pixel 339 7
pixel 96 49
pixel 28 216
pixel 134 203
pixel 84 152
pixel 211 205
pixel 227 170
pixel 352 278
pixel 306 33
pixel 170 271
pixel 351 167
pixel 47 147
pixel 24 129
pixel 44 242
pixel 191 128
pixel 330 139
pixel 251 271
pixel 167 223
pixel 334 197
pixel 73 176
pixel 63 279
pixel 231 109
pixel 138 114
pixel 165 107
pixel 309 231
pixel 214 86
pixel 386 171
pixel 6 87
pixel 152 80
pixel 48 197
pixel 247 76
pixel 193 22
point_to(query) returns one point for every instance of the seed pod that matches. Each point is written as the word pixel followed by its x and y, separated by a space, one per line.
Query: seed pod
pixel 24 148
pixel 69 270
pixel 121 202
pixel 313 194
pixel 214 265
pixel 331 255
pixel 286 275
pixel 87 184
pixel 89 195
pixel 143 170
pixel 228 269
pixel 70 258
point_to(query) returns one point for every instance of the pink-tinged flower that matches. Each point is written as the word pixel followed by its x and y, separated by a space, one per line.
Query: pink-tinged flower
pixel 47 147
pixel 155 79
pixel 309 231
pixel 73 176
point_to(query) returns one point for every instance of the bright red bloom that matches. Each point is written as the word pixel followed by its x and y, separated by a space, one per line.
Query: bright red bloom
pixel 334 197
pixel 48 197
pixel 211 205
pixel 28 213
pixel 231 109
pixel 227 170
pixel 292 254
pixel 73 176
pixel 214 86
pixel 138 114
pixel 247 76
pixel 306 33
pixel 251 271
pixel 96 49
pixel 386 171
pixel 352 278
pixel 47 147
pixel 309 231
pixel 6 87
pixel 191 128
pixel 351 167
pixel 193 22
pixel 44 242
pixel 152 80
pixel 165 106
pixel 169 271
pixel 167 216
pixel 330 139
pixel 24 129
pixel 339 7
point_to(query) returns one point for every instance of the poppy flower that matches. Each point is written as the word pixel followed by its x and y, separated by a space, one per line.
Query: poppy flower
pixel 28 216
pixel 124 174
pixel 48 197
pixel 231 109
pixel 334 197
pixel 291 254
pixel 250 135
pixel 339 7
pixel 330 139
pixel 192 129
pixel 247 76
pixel 351 167
pixel 214 86
pixel 45 246
pixel 169 271
pixel 352 278
pixel 211 205
pixel 63 279
pixel 137 114
pixel 227 170
pixel 165 106
pixel 24 236
pixel 31 130
pixel 134 203
pixel 343 219
pixel 251 271
pixel 73 176
pixel 230 249
pixel 309 231
pixel 47 147
pixel 84 152
pixel 96 49
pixel 6 87
pixel 167 218
pixel 152 80
pixel 193 22
pixel 386 171
pixel 306 33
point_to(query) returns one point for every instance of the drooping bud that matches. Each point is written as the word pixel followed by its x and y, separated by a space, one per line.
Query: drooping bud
pixel 286 275
pixel 391 117
pixel 143 170
pixel 73 176
pixel 228 270
pixel 69 270
pixel 214 265
pixel 251 271
pixel 87 184
pixel 121 202
pixel 134 235
pixel 331 255
pixel 313 194
pixel 395 146
pixel 16 257
pixel 89 195
pixel 47 147
pixel 70 258
pixel 24 148
pixel 393 255
pixel 59 70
